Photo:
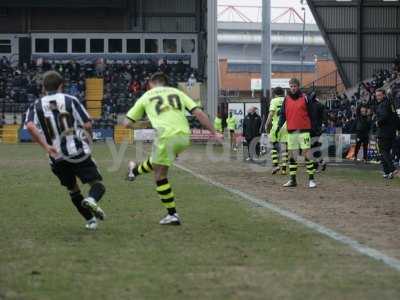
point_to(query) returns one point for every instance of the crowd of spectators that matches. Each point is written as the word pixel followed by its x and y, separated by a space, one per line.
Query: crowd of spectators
pixel 124 82
pixel 344 111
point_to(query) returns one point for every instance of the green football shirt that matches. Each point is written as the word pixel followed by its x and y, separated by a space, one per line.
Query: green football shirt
pixel 276 106
pixel 231 122
pixel 165 107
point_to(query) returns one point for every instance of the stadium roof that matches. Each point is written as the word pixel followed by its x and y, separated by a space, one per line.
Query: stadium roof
pixel 363 36
pixel 245 26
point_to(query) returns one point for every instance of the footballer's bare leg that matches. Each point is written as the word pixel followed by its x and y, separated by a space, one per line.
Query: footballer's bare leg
pixel 96 192
pixel 166 194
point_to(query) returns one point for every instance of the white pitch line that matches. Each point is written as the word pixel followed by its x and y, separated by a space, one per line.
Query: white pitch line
pixel 373 253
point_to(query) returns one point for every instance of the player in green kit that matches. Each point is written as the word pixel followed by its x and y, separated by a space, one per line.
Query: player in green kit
pixel 278 138
pixel 166 109
pixel 231 123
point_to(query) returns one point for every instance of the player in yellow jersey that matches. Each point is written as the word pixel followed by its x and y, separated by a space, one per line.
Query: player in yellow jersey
pixel 218 124
pixel 277 138
pixel 231 123
pixel 166 109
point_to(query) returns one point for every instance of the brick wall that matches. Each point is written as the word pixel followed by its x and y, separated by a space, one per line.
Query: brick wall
pixel 242 81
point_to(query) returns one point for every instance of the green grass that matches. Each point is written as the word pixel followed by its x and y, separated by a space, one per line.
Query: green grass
pixel 226 249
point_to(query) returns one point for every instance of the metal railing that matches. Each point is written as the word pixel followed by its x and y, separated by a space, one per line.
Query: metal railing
pixel 330 82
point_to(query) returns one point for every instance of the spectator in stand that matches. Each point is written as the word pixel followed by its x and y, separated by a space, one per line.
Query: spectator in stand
pixel 348 125
pixel 331 128
pixel 135 87
pixel 362 129
pixel 164 66
pixel 191 81
pixel 387 122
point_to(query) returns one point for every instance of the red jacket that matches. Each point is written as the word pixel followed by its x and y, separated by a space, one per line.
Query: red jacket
pixel 296 113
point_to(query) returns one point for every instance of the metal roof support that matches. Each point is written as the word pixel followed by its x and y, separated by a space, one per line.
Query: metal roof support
pixel 328 42
pixel 212 59
pixel 266 55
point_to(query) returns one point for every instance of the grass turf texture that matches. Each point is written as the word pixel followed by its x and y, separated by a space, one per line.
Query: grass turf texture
pixel 226 248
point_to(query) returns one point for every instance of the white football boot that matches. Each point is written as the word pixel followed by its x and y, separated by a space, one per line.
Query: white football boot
pixel 96 210
pixel 91 224
pixel 290 183
pixel 312 184
pixel 131 166
pixel 171 220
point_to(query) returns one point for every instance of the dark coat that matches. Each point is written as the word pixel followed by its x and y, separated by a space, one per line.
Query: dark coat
pixel 362 126
pixel 251 126
pixel 319 116
pixel 386 119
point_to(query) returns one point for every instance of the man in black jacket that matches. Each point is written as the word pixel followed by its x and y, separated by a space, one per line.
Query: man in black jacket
pixel 387 122
pixel 362 128
pixel 251 130
pixel 319 117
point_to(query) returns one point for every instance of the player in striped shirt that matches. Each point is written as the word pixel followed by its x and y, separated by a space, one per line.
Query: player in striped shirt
pixel 60 124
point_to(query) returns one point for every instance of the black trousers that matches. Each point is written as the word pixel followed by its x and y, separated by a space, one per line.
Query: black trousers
pixel 316 147
pixel 364 141
pixel 385 145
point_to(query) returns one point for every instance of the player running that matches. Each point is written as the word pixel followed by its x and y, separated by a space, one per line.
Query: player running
pixel 165 108
pixel 297 113
pixel 277 138
pixel 60 124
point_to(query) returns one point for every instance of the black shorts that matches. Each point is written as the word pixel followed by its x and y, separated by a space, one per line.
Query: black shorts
pixel 67 172
pixel 232 131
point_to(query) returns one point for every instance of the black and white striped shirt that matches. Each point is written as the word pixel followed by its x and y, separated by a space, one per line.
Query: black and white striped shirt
pixel 60 118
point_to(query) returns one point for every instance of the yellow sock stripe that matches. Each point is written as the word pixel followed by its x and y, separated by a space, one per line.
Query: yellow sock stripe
pixel 163 187
pixel 292 169
pixel 274 157
pixel 167 196
pixel 146 166
pixel 310 168
pixel 170 204
pixel 140 169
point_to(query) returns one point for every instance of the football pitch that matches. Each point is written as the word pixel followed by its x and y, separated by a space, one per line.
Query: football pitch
pixel 225 249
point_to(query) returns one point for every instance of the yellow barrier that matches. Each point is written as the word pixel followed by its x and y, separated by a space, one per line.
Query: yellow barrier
pixel 9 134
pixel 94 96
pixel 123 135
pixel 93 104
pixel 94 113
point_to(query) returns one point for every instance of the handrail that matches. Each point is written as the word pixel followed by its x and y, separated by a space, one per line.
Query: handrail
pixel 330 80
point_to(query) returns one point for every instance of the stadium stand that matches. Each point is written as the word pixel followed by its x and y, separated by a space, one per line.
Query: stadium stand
pixel 343 109
pixel 122 83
